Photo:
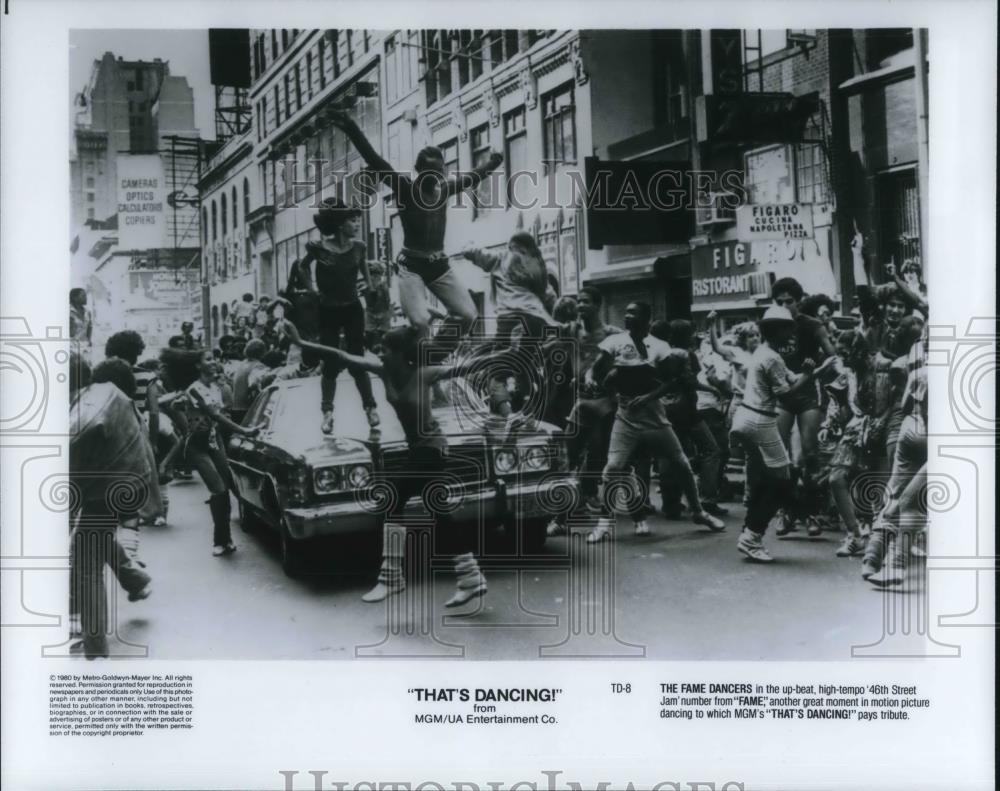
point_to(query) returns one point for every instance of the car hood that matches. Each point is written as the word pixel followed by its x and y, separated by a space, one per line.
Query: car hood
pixel 459 429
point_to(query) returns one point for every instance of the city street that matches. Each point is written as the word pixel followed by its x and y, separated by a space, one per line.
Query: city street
pixel 682 593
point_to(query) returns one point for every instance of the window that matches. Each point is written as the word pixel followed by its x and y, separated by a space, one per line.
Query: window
pixel 223 214
pixel 437 56
pixel 297 76
pixel 246 199
pixel 559 125
pixel 215 220
pixel 391 69
pixel 90 181
pixel 89 166
pixel 284 39
pixel 277 107
pixel 480 140
pixel 449 151
pixel 204 225
pixel 309 75
pixel 502 45
pixel 345 49
pixel 322 62
pixel 256 59
pixel 769 175
pixel 897 196
pixel 359 44
pixel 464 45
pixel 90 197
pixel 288 97
pixel 274 45
pixel 235 212
pixel 90 214
pixel 670 103
pixel 811 183
pixel 515 145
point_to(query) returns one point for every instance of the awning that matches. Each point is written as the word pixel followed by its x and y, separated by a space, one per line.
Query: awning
pixel 635 269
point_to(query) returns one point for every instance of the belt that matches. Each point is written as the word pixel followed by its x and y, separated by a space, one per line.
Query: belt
pixel 759 411
pixel 422 256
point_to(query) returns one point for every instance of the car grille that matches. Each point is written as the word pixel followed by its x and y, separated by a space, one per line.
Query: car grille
pixel 467 464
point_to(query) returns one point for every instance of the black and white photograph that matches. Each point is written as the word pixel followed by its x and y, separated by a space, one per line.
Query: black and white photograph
pixel 498 388
pixel 449 316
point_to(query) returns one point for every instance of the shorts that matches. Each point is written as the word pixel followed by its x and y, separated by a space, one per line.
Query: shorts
pixel 428 269
pixel 804 400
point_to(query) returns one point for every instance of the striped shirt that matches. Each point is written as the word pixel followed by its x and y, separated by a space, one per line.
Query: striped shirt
pixel 143 379
pixel 915 392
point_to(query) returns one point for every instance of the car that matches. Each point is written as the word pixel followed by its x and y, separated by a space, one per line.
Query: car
pixel 306 485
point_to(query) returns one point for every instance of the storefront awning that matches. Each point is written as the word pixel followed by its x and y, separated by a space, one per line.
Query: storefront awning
pixel 635 269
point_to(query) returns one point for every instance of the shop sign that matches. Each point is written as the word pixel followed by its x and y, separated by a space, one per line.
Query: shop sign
pixel 142 196
pixel 772 221
pixel 723 272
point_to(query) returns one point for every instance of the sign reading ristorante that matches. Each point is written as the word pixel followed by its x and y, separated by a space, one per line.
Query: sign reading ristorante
pixel 722 272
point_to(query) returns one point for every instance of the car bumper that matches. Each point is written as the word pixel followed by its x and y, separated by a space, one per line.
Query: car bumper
pixel 471 505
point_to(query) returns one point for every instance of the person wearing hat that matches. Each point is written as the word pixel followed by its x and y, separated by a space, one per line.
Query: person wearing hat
pixel 423 212
pixel 330 269
pixel 755 426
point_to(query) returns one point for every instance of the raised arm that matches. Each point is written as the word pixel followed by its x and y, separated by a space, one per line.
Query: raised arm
pixel 470 180
pixel 350 361
pixel 912 297
pixel 713 335
pixel 343 121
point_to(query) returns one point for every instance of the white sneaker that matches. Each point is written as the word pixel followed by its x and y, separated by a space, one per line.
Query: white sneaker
pixel 641 527
pixel 601 531
pixel 750 544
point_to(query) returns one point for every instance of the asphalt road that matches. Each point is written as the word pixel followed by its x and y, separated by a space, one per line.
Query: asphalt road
pixel 682 593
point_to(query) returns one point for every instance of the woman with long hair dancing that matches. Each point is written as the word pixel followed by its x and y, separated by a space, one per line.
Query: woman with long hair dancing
pixel 756 427
pixel 197 372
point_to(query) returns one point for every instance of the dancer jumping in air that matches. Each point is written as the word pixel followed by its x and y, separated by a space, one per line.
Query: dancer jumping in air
pixel 423 211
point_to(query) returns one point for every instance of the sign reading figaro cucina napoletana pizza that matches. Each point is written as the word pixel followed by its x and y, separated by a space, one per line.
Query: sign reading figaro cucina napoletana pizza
pixel 763 221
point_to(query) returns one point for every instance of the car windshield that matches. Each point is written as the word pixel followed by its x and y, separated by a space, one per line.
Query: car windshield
pixel 296 419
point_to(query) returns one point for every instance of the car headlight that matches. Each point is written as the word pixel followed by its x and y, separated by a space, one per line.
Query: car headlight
pixel 359 476
pixel 326 480
pixel 536 457
pixel 505 461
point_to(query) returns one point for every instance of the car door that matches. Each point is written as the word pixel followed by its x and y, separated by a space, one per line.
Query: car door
pixel 252 457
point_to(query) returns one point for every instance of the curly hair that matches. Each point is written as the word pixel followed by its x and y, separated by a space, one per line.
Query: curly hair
pixel 181 366
pixel 118 372
pixel 126 344
pixel 742 331
pixel 810 305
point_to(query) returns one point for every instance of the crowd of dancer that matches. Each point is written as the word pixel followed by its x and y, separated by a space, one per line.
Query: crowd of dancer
pixel 810 408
